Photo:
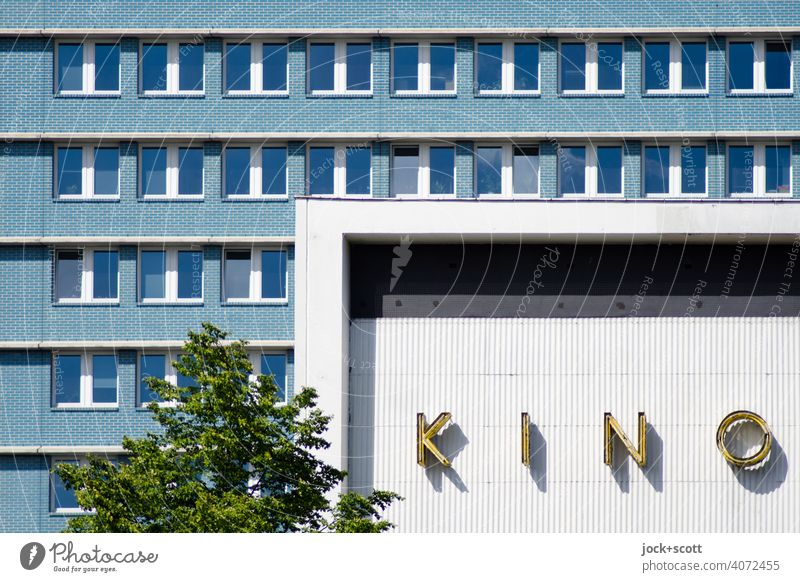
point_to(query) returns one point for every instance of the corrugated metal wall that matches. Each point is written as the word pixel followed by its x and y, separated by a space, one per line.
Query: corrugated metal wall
pixel 685 373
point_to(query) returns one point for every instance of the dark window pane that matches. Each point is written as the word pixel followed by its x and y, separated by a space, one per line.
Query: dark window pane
pixel 69 273
pixel 237 67
pixel 693 65
pixel 154 67
pixel 273 274
pixel 740 65
pixel 274 70
pixel 61 497
pixel 321 60
pixel 153 274
pixel 778 67
pixel 573 66
pixel 357 169
pixel 70 67
pixel 190 274
pixel 490 66
pixel 443 66
pixel 237 274
pixel 104 379
pixel 693 170
pixel 526 170
pixel 106 67
pixel 359 65
pixel 442 169
pixel 741 162
pixel 190 67
pixel 69 171
pixel 405 170
pixel 66 378
pixel 106 269
pixel 489 170
pixel 609 66
pixel 183 381
pixel 275 365
pixel 237 171
pixel 405 61
pixel 154 171
pixel 190 171
pixel 320 170
pixel 526 67
pixel 778 161
pixel 273 171
pixel 609 170
pixel 572 163
pixel 656 64
pixel 106 171
pixel 656 168
pixel 150 365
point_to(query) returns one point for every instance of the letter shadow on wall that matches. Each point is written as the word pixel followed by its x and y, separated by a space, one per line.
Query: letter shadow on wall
pixel 451 441
pixel 654 471
pixel 538 460
pixel 767 478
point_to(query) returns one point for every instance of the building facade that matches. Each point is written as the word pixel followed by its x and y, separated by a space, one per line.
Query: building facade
pixel 562 209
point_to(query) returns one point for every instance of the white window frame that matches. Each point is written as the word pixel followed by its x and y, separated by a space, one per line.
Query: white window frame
pixel 87 379
pixel 88 68
pixel 675 67
pixel 255 362
pixel 675 171
pixel 507 170
pixel 759 67
pixel 256 66
pixel 170 276
pixel 591 173
pixel 423 170
pixel 255 172
pixel 87 171
pixel 173 67
pixel 507 71
pixel 759 171
pixel 255 277
pixel 87 277
pixel 56 460
pixel 339 170
pixel 170 374
pixel 340 67
pixel 173 172
pixel 590 87
pixel 424 66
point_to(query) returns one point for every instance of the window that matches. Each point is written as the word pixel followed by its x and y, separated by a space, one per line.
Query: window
pixel 171 171
pixel 84 379
pixel 423 170
pixel 86 276
pixel 87 68
pixel 339 170
pixel 271 364
pixel 257 67
pixel 171 68
pixel 86 171
pixel 674 170
pixel 424 67
pixel 158 365
pixel 594 170
pixel 255 276
pixel 675 66
pixel 63 500
pixel 170 276
pixel 760 169
pixel 506 169
pixel 254 171
pixel 759 66
pixel 339 67
pixel 507 67
pixel 591 67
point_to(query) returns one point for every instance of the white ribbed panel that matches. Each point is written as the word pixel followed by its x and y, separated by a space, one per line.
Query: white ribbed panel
pixel 686 374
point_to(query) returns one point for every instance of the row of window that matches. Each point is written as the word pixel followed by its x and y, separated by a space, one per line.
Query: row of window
pixel 169 276
pixel 425 67
pixel 422 169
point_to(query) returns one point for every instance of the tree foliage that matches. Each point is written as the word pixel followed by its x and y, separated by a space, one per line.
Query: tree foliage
pixel 229 458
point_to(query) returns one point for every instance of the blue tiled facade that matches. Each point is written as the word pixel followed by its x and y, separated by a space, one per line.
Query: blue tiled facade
pixel 33 222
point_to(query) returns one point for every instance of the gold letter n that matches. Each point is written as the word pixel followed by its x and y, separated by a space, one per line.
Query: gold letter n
pixel 426 433
pixel 612 427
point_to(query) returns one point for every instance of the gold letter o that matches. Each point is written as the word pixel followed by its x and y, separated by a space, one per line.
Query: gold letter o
pixel 766 444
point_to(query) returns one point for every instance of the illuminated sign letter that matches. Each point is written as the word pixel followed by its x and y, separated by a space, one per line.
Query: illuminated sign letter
pixel 735 418
pixel 426 433
pixel 612 427
pixel 525 436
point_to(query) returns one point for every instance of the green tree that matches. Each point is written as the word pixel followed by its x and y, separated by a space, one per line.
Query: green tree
pixel 229 458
